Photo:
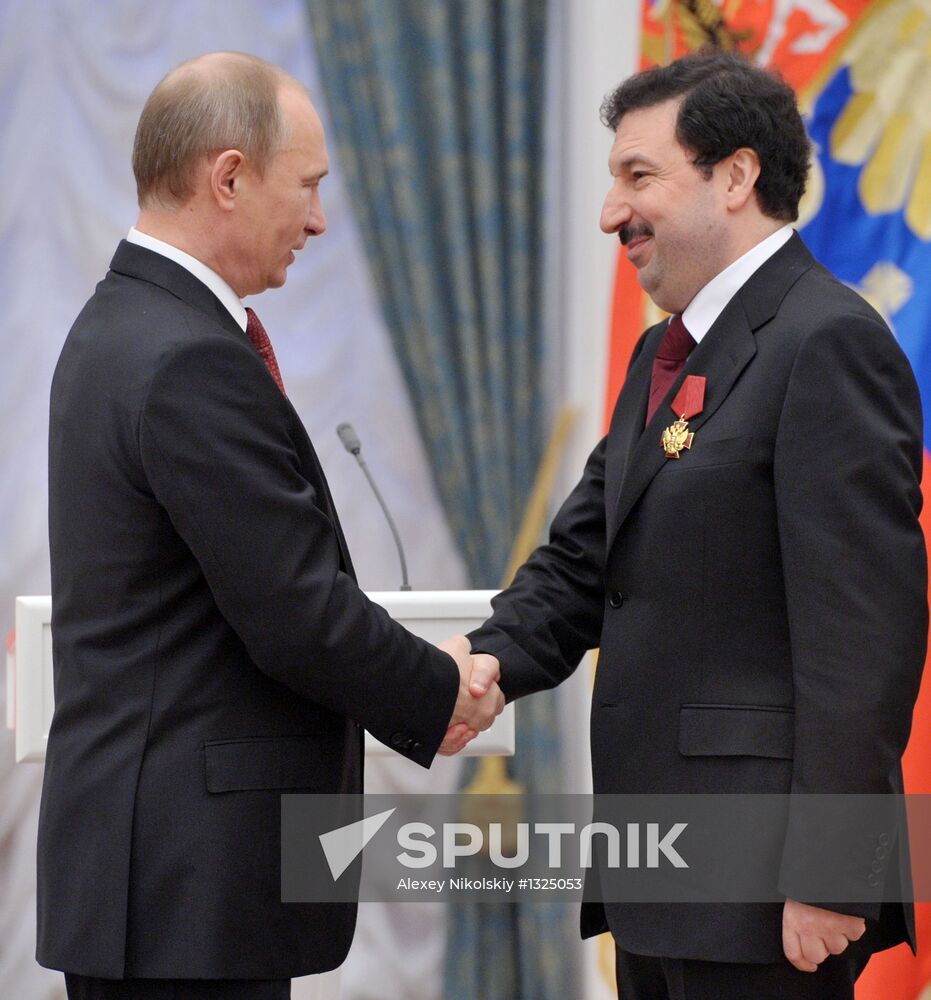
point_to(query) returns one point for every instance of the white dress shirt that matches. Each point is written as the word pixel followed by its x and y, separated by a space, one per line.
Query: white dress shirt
pixel 709 303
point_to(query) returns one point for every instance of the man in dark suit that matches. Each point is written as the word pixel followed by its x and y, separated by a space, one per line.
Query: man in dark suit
pixel 212 649
pixel 744 544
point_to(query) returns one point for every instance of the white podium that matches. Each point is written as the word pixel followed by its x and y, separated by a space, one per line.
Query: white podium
pixel 434 615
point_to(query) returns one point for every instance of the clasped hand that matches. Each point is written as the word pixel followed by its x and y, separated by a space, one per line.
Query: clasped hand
pixel 479 701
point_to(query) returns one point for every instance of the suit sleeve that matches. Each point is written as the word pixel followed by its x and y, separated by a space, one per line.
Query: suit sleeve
pixel 215 442
pixel 847 471
pixel 551 615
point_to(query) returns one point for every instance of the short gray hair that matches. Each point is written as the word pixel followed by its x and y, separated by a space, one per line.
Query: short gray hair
pixel 224 100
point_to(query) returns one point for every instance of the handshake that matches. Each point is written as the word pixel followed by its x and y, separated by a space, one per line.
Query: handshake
pixel 479 701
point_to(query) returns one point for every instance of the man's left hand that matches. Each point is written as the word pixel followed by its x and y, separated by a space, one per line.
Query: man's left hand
pixel 810 934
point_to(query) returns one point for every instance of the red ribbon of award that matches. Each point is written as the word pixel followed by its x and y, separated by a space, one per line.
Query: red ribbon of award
pixel 689 401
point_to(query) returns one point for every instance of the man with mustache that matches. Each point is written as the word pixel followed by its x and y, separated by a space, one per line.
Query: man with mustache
pixel 212 649
pixel 743 546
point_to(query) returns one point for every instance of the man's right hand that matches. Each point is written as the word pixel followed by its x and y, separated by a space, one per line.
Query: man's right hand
pixel 479 701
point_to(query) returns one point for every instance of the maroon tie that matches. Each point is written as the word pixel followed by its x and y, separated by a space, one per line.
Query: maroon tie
pixel 258 336
pixel 674 348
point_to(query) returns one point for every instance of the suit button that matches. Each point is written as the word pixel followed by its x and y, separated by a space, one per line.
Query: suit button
pixel 872 881
pixel 877 866
pixel 881 852
pixel 397 739
pixel 615 598
pixel 884 839
pixel 416 745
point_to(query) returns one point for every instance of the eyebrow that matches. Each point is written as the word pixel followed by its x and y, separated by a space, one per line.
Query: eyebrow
pixel 629 160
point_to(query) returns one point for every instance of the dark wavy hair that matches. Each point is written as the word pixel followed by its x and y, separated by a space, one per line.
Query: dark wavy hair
pixel 728 104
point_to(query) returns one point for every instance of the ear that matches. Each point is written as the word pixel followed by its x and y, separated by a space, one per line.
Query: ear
pixel 226 175
pixel 742 170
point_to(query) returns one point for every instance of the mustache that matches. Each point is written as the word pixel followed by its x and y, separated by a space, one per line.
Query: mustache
pixel 627 233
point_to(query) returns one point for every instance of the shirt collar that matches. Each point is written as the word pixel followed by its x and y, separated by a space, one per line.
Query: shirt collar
pixel 200 271
pixel 709 303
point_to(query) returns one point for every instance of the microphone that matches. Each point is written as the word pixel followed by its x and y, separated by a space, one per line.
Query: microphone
pixel 353 445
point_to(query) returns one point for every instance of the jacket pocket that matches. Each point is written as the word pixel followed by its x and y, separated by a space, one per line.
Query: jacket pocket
pixel 275 762
pixel 736 731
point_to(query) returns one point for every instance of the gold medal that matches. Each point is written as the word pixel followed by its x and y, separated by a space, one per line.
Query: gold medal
pixel 677 437
pixel 689 401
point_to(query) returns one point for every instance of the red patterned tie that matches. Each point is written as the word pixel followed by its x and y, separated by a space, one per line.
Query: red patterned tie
pixel 674 348
pixel 258 336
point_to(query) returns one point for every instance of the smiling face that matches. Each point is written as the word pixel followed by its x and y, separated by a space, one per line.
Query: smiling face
pixel 280 209
pixel 673 221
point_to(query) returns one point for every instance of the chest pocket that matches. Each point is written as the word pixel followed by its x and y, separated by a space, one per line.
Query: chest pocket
pixel 279 762
pixel 736 731
pixel 707 451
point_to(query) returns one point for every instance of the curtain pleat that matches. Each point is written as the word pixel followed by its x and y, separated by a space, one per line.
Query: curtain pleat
pixel 438 117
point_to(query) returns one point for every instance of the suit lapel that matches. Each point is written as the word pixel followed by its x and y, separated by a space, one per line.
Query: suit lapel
pixel 627 421
pixel 724 352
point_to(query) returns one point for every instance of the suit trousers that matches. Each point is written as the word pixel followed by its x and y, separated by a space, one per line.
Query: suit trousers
pixel 93 988
pixel 645 977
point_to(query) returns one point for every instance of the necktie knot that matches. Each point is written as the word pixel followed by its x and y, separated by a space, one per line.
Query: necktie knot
pixel 260 340
pixel 677 342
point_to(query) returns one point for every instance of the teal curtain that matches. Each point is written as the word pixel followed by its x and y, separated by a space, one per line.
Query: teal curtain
pixel 437 109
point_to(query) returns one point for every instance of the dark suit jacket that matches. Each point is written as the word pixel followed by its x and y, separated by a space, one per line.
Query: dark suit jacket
pixel 211 647
pixel 760 604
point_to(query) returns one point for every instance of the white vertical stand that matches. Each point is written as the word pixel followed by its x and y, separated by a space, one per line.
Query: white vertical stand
pixel 322 987
pixel 29 671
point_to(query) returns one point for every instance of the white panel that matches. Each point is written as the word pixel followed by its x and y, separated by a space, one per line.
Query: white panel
pixel 322 987
pixel 33 680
